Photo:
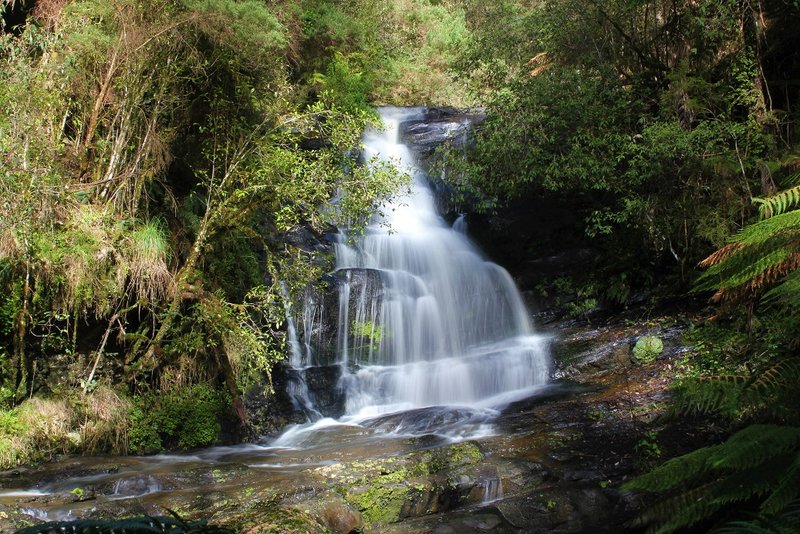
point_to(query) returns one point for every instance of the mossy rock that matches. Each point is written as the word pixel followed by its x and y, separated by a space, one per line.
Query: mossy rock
pixel 648 348
pixel 287 520
pixel 389 490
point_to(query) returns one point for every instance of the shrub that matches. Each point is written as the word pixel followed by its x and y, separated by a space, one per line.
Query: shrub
pixel 183 419
pixel 647 348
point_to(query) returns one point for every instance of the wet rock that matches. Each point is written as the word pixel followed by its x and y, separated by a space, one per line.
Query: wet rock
pixel 338 516
pixel 429 130
pixel 436 126
pixel 317 320
pixel 323 387
pixel 393 489
pixel 270 410
pixel 590 353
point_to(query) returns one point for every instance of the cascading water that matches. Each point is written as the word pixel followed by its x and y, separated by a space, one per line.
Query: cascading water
pixel 424 319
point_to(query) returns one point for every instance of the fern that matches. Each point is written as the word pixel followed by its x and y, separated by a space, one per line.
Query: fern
pixel 708 394
pixel 754 445
pixel 781 376
pixel 763 256
pixel 680 470
pixel 758 462
pixel 786 522
pixel 779 203
pixel 765 394
pixel 787 490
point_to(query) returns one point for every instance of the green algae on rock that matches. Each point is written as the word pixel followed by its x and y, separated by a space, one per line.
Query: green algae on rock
pixel 391 489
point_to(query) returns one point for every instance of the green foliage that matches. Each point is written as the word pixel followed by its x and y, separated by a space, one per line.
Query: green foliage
pixel 637 117
pixel 187 418
pixel 758 465
pixel 397 52
pixel 348 86
pixel 246 26
pixel 770 393
pixel 779 203
pixel 648 348
pixel 368 330
pixel 763 258
pixel 647 448
pixel 154 155
pixel 10 425
pixel 760 461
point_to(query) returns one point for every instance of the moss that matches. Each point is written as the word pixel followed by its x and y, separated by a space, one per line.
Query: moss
pixel 464 453
pixel 381 489
pixel 182 419
pixel 286 521
pixel 381 502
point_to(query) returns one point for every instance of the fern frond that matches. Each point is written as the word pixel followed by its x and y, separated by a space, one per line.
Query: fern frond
pixel 680 470
pixel 772 273
pixel 788 489
pixel 783 375
pixel 681 510
pixel 791 161
pixel 751 527
pixel 762 231
pixel 785 522
pixel 746 272
pixel 787 292
pixel 721 254
pixel 708 394
pixel 792 512
pixel 755 445
pixel 778 203
pixel 699 504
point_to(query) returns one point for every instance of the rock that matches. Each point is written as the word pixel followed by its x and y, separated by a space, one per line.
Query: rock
pixel 394 489
pixel 338 516
pixel 270 410
pixel 323 388
pixel 437 126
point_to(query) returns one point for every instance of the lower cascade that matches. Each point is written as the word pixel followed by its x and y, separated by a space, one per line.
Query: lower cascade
pixel 431 335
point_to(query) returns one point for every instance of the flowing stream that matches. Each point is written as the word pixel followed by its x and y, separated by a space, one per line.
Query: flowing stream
pixel 433 340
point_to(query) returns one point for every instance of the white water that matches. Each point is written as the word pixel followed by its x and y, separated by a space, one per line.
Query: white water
pixel 424 318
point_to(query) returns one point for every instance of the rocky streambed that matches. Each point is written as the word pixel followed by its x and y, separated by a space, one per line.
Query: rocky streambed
pixel 551 463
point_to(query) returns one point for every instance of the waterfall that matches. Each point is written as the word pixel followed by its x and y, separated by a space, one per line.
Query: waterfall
pixel 424 318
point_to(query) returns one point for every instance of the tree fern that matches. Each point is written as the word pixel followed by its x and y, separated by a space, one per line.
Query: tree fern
pixel 768 394
pixel 755 444
pixel 780 202
pixel 762 256
pixel 708 395
pixel 675 472
pixel 785 522
pixel 787 490
pixel 758 462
